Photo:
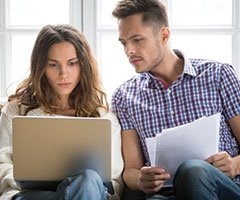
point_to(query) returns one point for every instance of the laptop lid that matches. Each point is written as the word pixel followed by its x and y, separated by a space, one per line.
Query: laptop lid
pixel 47 148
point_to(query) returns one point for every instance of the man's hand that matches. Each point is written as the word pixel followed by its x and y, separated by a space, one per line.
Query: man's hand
pixel 151 179
pixel 225 163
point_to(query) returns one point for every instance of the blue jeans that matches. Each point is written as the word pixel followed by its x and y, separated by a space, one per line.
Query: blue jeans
pixel 198 180
pixel 87 184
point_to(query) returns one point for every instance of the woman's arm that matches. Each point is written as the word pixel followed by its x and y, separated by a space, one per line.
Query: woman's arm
pixel 8 186
pixel 117 160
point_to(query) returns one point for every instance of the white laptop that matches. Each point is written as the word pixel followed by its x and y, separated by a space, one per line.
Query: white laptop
pixel 46 148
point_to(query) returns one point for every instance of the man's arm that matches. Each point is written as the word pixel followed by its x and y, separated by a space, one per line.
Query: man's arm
pixel 136 175
pixel 235 126
pixel 133 158
pixel 223 161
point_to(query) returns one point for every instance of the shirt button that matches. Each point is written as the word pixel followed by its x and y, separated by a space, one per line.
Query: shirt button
pixel 172 112
pixel 168 91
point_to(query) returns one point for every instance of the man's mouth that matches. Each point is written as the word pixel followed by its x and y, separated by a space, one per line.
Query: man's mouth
pixel 135 61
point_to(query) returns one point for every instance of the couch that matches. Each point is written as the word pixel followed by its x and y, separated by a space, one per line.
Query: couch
pixel 0 108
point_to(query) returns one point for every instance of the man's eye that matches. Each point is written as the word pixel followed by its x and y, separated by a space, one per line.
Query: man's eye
pixel 137 39
pixel 123 43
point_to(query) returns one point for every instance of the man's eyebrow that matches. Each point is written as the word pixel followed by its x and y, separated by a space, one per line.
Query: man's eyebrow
pixel 133 36
pixel 136 35
pixel 121 40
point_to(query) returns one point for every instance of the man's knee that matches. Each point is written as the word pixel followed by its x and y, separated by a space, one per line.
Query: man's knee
pixel 192 170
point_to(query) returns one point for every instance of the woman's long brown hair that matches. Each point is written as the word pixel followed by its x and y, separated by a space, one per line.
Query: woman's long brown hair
pixel 35 91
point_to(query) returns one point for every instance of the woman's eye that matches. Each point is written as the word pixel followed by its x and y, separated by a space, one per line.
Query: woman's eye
pixel 52 64
pixel 73 63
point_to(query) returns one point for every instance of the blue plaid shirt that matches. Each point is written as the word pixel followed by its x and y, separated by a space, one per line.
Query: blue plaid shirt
pixel 205 88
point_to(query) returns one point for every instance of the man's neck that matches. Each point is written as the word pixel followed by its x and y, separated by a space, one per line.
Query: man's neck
pixel 170 68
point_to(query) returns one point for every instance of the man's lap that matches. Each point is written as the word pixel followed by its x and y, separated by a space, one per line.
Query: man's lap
pixel 169 194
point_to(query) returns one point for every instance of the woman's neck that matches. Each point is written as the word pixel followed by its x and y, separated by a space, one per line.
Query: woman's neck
pixel 69 112
pixel 64 108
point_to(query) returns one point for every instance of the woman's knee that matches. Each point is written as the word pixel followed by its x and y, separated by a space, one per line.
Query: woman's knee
pixel 86 184
pixel 84 178
pixel 91 175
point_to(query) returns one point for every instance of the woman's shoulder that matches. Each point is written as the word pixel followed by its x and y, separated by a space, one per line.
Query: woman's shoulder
pixel 107 114
pixel 110 115
pixel 11 107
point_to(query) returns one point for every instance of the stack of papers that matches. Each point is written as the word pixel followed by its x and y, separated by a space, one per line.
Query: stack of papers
pixel 196 140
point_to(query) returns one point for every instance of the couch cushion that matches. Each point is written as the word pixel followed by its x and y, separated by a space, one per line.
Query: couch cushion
pixel 1 108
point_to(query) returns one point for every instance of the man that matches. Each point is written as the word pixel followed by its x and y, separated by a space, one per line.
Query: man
pixel 171 90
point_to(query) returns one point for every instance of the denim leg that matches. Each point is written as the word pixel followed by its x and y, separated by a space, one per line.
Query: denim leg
pixel 36 195
pixel 160 197
pixel 87 184
pixel 198 180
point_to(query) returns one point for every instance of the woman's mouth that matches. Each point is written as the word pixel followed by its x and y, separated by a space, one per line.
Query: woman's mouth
pixel 64 84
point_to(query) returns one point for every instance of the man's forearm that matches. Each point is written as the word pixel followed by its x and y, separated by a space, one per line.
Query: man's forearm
pixel 237 164
pixel 131 178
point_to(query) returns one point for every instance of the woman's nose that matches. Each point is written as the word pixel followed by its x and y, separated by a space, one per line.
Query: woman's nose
pixel 63 71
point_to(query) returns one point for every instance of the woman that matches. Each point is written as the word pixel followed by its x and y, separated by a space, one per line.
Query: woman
pixel 64 80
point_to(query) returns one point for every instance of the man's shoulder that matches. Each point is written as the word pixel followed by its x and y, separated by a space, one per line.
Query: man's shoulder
pixel 129 87
pixel 130 83
pixel 207 62
pixel 203 65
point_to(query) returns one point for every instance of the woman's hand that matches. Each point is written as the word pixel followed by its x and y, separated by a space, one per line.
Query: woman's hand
pixel 151 179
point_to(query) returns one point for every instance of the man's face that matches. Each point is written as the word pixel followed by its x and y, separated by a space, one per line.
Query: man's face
pixel 142 45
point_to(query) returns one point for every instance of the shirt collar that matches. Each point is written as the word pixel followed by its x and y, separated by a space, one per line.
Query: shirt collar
pixel 188 67
pixel 149 79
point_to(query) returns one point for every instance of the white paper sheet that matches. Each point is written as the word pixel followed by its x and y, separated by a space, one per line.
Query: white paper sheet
pixel 196 140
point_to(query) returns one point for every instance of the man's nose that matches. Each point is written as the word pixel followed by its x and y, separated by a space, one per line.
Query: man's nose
pixel 129 50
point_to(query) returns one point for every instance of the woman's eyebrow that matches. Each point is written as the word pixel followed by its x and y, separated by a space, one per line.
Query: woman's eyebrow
pixel 53 60
pixel 75 58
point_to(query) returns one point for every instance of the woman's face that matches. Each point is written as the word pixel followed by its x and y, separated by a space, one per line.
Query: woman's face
pixel 63 70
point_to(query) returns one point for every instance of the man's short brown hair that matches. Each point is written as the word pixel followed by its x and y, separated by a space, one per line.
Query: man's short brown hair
pixel 153 11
